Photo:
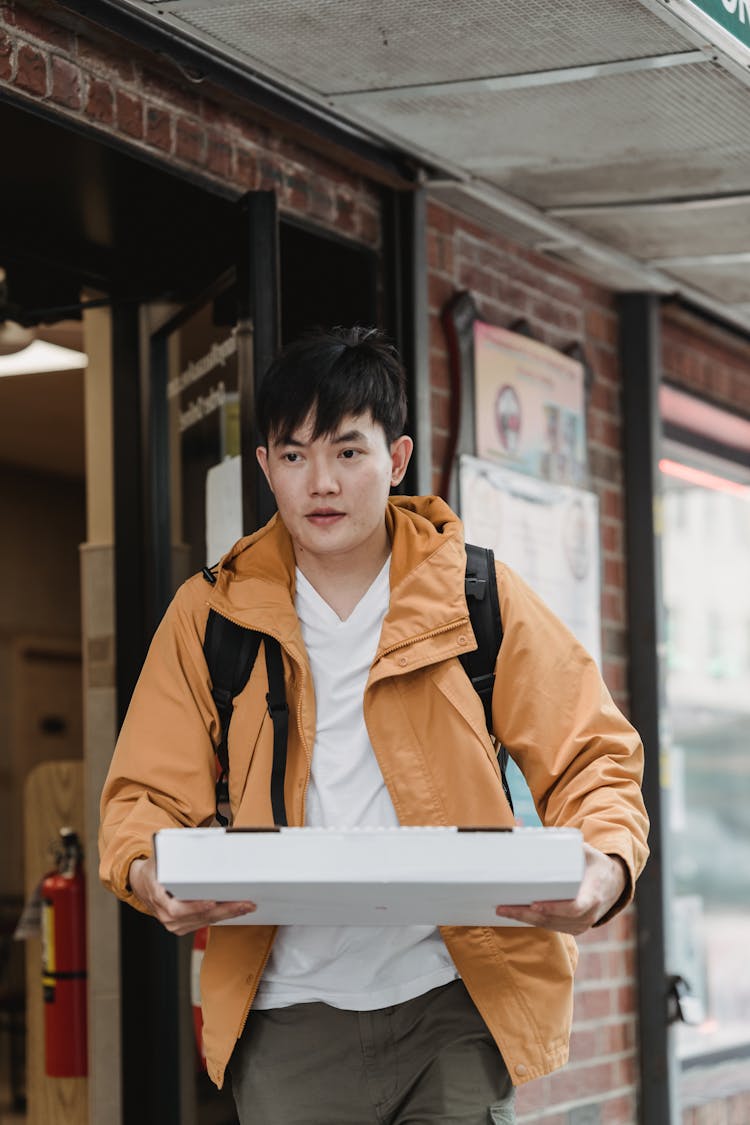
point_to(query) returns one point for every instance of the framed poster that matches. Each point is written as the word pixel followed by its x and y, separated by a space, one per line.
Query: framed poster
pixel 548 533
pixel 529 404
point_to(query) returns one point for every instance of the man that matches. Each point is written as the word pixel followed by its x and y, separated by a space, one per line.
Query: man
pixel 365 592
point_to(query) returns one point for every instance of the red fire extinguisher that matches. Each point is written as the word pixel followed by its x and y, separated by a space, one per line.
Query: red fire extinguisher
pixel 63 894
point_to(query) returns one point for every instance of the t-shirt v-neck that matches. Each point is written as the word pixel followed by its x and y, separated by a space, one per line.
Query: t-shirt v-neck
pixel 346 786
pixel 357 968
pixel 314 610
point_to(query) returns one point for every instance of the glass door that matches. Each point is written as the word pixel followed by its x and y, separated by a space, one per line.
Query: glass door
pixel 190 487
pixel 205 487
pixel 706 586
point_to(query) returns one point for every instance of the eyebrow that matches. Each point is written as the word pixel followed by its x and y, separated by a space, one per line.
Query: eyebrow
pixel 350 435
pixel 337 439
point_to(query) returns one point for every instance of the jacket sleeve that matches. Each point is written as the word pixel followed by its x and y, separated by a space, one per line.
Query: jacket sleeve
pixel 581 758
pixel 162 772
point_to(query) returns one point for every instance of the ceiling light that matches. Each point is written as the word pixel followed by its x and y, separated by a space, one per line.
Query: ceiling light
pixel 703 479
pixel 41 356
pixel 14 337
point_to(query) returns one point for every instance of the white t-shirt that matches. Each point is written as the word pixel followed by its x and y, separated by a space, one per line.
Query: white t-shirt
pixel 354 967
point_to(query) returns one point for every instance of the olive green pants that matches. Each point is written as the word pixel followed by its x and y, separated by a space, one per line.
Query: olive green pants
pixel 429 1060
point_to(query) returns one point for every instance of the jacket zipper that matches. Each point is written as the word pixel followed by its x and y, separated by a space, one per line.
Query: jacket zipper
pixel 426 636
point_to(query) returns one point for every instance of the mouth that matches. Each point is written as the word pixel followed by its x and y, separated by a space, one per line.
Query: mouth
pixel 324 516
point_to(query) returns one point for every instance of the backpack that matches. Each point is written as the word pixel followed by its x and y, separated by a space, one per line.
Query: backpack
pixel 231 651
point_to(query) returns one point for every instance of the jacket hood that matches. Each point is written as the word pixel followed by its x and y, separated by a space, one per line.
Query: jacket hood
pixel 255 580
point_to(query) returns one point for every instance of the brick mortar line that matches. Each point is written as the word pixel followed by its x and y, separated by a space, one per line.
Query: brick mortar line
pixel 593 985
pixel 595 1060
pixel 597 1022
pixel 563 1107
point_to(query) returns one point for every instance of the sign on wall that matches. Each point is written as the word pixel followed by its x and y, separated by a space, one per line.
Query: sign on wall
pixel 549 534
pixel 529 406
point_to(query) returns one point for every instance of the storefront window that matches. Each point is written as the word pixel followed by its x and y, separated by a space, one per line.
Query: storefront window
pixel 201 388
pixel 706 587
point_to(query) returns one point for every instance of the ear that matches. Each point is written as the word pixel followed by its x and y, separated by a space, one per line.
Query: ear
pixel 401 450
pixel 261 454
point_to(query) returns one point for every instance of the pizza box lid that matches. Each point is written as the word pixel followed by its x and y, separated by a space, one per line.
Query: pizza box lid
pixel 371 876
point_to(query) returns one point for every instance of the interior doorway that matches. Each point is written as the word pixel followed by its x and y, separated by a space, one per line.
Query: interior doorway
pixel 325 280
pixel 42 513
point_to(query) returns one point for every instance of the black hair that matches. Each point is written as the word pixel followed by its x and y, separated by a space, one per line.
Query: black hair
pixel 331 374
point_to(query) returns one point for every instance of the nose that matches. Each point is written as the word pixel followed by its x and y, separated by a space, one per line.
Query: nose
pixel 323 480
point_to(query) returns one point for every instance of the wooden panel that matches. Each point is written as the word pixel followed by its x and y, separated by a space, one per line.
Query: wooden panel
pixel 46 725
pixel 53 798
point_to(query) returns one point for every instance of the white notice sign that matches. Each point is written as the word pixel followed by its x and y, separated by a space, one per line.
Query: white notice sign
pixel 223 508
pixel 548 533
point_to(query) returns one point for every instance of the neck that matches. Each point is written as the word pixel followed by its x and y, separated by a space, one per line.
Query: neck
pixel 342 580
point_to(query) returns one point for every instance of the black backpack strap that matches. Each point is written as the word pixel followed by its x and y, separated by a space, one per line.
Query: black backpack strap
pixel 279 712
pixel 230 652
pixel 484 611
pixel 486 622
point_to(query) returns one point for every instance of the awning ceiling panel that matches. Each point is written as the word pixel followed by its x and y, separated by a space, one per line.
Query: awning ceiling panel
pixel 610 138
pixel 334 47
pixel 574 127
pixel 729 282
pixel 671 230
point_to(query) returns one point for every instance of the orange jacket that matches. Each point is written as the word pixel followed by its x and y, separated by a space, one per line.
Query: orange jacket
pixel 581 758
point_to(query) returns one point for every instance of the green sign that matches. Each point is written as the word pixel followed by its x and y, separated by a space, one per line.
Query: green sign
pixel 732 15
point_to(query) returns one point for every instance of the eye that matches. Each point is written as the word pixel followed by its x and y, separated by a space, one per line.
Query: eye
pixel 350 454
pixel 291 457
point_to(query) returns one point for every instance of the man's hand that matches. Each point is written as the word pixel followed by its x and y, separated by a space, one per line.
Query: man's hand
pixel 179 917
pixel 604 880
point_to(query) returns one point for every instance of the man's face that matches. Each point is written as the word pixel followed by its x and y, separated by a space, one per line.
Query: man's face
pixel 332 492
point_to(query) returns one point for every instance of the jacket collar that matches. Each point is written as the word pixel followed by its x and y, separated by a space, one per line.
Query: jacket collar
pixel 256 579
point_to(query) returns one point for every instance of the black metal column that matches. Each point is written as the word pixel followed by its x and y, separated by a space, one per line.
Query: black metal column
pixel 150 1067
pixel 406 317
pixel 640 360
pixel 258 338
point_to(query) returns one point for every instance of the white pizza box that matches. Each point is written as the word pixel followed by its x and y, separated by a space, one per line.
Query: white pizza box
pixel 371 876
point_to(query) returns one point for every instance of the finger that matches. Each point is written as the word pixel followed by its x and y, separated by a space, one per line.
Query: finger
pixel 545 920
pixel 177 908
pixel 216 912
pixel 226 910
pixel 564 905
pixel 176 912
pixel 212 912
pixel 518 913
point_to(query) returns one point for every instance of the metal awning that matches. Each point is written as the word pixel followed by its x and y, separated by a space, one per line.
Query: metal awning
pixel 611 134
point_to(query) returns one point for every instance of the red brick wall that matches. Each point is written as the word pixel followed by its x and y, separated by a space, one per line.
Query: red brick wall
pixel 509 283
pixel 602 1072
pixel 706 359
pixel 47 58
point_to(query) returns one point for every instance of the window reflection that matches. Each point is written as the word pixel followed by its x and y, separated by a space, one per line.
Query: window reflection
pixel 706 569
